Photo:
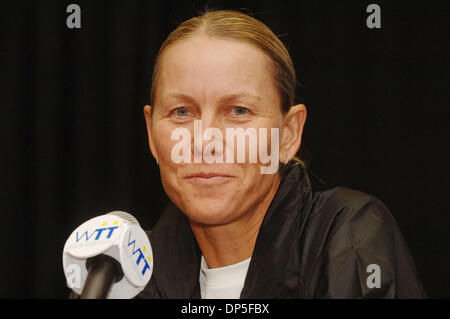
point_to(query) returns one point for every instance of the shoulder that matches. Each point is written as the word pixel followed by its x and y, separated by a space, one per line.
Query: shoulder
pixel 353 220
pixel 343 206
pixel 346 199
pixel 349 232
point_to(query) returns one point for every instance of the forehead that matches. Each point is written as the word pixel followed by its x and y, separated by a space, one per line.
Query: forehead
pixel 206 67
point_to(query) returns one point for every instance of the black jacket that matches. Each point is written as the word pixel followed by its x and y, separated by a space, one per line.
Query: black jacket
pixel 310 245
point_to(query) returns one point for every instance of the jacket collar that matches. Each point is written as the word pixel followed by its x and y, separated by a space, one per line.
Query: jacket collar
pixel 274 270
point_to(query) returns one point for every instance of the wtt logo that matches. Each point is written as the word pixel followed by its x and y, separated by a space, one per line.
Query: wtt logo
pixel 98 231
pixel 141 256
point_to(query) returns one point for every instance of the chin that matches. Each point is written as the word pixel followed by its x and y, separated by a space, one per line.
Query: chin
pixel 210 212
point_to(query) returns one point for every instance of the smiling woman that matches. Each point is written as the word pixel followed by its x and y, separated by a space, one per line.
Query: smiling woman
pixel 231 231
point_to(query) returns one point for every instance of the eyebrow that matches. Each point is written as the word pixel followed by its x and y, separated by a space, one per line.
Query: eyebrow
pixel 236 96
pixel 224 99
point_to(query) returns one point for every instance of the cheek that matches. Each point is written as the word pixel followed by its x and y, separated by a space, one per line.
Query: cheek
pixel 168 168
pixel 163 143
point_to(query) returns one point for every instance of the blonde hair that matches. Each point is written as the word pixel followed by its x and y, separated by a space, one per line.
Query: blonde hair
pixel 234 25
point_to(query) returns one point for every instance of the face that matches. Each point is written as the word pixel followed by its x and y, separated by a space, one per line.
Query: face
pixel 224 84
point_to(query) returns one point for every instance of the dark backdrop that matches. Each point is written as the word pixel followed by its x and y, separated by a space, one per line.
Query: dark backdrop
pixel 73 140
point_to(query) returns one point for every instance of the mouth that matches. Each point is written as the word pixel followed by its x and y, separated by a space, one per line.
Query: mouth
pixel 209 178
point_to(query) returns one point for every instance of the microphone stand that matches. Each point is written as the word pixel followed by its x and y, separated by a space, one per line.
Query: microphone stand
pixel 103 272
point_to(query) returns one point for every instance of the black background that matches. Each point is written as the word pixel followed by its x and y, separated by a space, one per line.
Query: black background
pixel 74 145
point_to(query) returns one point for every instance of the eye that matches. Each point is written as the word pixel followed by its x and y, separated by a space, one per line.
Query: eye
pixel 180 111
pixel 240 111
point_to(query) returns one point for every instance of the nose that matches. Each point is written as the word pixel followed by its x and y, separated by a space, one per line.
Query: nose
pixel 208 141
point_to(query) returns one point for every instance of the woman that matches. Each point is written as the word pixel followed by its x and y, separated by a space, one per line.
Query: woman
pixel 232 230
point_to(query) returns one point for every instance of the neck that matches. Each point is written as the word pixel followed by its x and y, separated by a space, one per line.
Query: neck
pixel 227 244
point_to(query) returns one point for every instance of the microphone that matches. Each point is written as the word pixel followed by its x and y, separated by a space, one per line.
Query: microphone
pixel 108 256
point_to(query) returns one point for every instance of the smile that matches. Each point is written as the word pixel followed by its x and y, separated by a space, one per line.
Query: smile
pixel 209 178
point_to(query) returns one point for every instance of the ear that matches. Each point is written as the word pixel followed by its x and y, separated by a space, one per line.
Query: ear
pixel 291 137
pixel 148 120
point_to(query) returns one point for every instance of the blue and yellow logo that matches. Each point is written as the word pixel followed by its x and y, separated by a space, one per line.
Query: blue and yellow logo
pixel 141 256
pixel 99 232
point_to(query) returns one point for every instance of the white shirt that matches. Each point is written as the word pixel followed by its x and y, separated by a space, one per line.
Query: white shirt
pixel 224 282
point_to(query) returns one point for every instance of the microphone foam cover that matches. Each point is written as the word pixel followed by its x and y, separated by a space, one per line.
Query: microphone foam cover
pixel 125 216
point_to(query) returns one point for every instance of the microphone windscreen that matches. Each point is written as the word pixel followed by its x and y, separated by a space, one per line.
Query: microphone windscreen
pixel 125 216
